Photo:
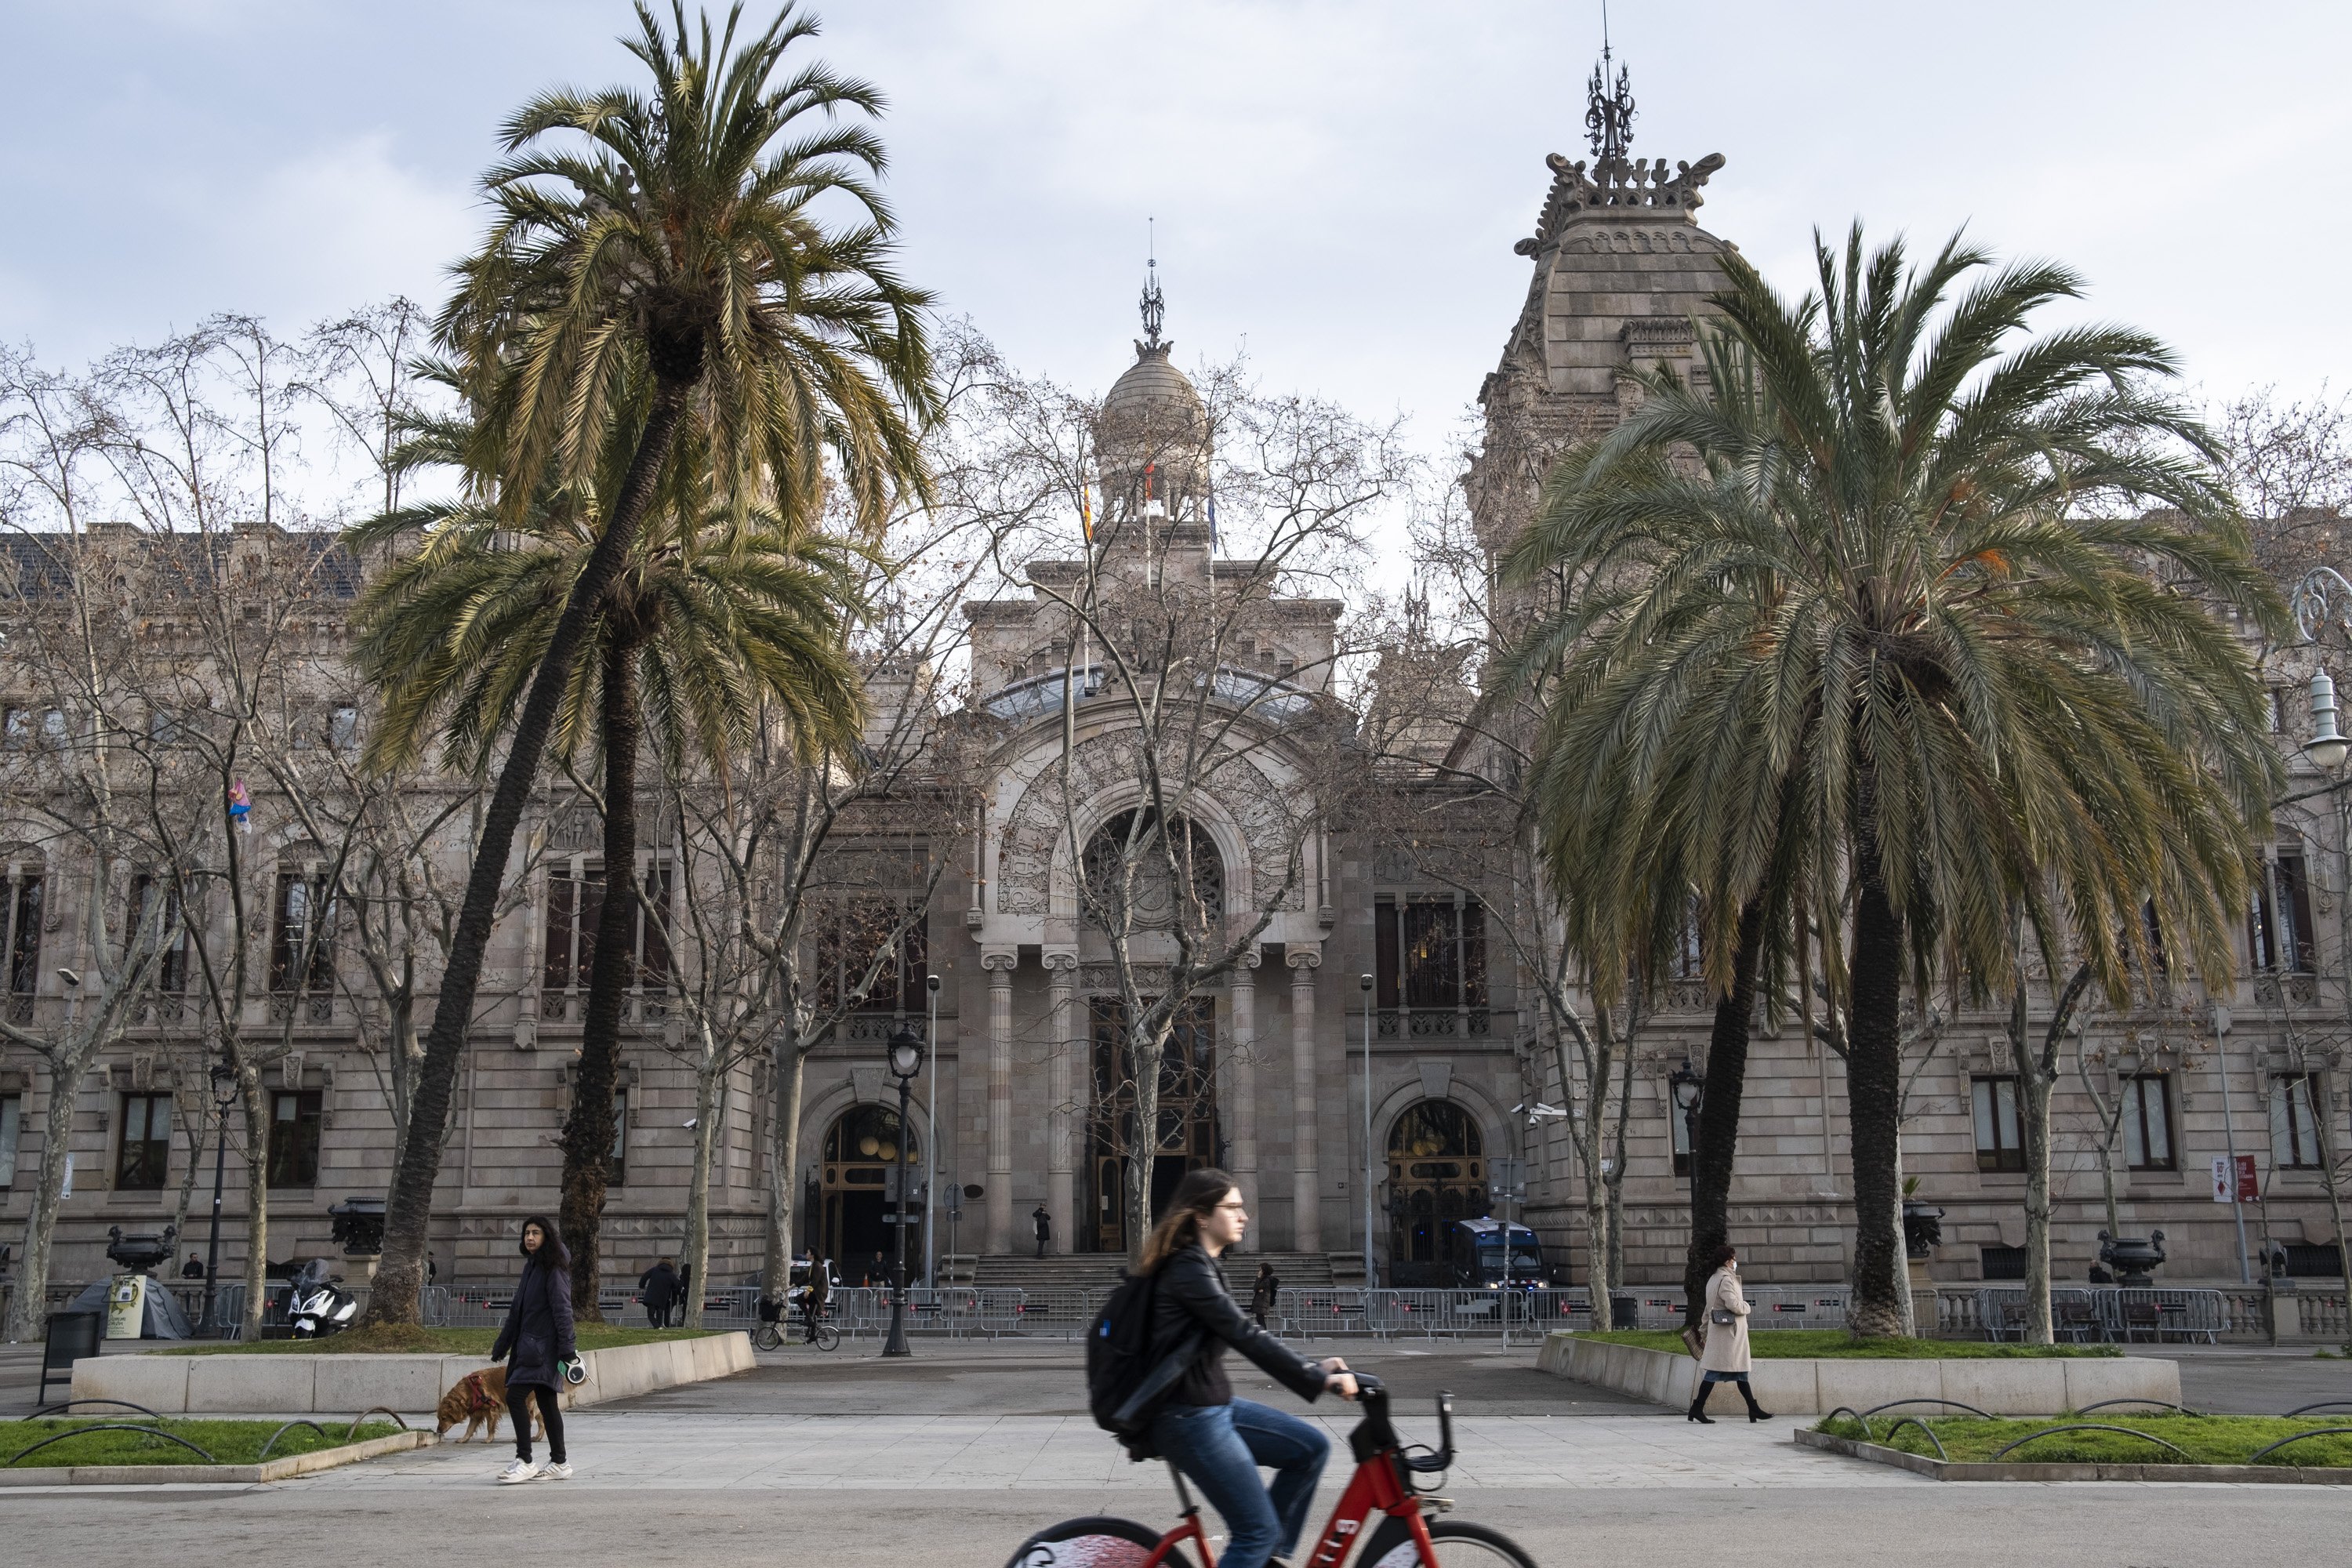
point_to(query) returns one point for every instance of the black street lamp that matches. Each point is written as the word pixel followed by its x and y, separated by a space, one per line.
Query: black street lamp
pixel 223 1081
pixel 906 1061
pixel 1690 1093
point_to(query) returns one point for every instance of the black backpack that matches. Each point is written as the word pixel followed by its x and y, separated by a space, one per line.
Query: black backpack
pixel 1128 1377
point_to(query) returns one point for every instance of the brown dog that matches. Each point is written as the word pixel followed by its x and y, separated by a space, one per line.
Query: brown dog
pixel 479 1397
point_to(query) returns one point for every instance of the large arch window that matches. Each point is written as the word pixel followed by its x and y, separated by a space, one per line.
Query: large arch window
pixel 858 1192
pixel 1129 886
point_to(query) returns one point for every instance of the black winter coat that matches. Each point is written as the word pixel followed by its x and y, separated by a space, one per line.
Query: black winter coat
pixel 538 1329
pixel 1190 1296
pixel 659 1285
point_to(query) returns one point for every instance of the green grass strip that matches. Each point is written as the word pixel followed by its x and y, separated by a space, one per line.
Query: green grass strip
pixel 228 1442
pixel 2208 1439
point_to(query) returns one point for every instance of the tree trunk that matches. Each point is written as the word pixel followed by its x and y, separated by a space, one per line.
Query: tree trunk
pixel 1716 1148
pixel 588 1130
pixel 256 1199
pixel 784 1167
pixel 408 1206
pixel 27 1315
pixel 698 1186
pixel 1143 1142
pixel 1874 1104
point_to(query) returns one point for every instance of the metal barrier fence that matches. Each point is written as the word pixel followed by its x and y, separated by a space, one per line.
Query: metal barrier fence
pixel 2112 1314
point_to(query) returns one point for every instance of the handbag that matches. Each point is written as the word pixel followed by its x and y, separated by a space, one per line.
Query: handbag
pixel 1723 1317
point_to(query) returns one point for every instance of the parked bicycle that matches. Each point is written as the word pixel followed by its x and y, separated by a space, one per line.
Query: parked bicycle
pixel 1385 1482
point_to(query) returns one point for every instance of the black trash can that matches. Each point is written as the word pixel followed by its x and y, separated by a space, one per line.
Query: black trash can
pixel 71 1337
pixel 1624 1312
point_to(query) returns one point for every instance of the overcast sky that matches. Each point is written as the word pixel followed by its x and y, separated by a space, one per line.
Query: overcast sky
pixel 1338 186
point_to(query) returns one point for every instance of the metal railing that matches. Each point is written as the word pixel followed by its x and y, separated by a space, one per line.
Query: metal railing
pixel 2112 1314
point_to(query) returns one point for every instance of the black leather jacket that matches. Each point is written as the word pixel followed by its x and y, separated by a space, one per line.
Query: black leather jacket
pixel 1191 1296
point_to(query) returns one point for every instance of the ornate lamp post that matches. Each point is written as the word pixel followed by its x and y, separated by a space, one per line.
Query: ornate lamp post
pixel 223 1082
pixel 906 1061
pixel 1690 1093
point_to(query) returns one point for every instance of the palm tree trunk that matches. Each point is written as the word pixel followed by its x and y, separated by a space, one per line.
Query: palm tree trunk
pixel 408 1204
pixel 587 1138
pixel 1716 1148
pixel 1874 1104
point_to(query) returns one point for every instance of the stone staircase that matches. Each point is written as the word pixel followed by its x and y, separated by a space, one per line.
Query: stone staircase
pixel 1085 1270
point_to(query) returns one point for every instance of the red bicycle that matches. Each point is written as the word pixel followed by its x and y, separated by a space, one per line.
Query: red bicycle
pixel 1383 1483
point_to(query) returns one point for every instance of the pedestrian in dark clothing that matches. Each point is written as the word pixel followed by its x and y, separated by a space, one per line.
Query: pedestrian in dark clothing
pixel 1261 1294
pixel 659 1287
pixel 1044 1224
pixel 813 1300
pixel 536 1336
pixel 194 1268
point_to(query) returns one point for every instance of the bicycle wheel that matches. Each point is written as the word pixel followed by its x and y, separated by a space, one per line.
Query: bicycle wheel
pixel 1460 1544
pixel 1094 1542
pixel 766 1338
pixel 828 1337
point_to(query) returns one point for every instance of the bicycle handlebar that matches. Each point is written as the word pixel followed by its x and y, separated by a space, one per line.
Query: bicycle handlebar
pixel 1443 1458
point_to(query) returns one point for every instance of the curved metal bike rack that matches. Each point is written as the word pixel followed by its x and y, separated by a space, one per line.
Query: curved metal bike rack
pixel 2299 1436
pixel 298 1421
pixel 2159 1404
pixel 2089 1426
pixel 373 1410
pixel 1913 1421
pixel 1858 1416
pixel 2322 1404
pixel 70 1403
pixel 1949 1404
pixel 114 1426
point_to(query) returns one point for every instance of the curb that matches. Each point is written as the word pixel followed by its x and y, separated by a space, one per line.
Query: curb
pixel 1944 1471
pixel 284 1470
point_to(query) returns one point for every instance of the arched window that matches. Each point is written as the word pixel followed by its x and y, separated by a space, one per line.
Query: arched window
pixel 1437 1176
pixel 1128 882
pixel 858 1191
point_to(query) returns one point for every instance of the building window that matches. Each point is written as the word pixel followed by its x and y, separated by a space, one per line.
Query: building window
pixel 11 1118
pixel 21 912
pixel 2002 1262
pixel 301 953
pixel 146 1154
pixel 575 908
pixel 616 1163
pixel 2280 933
pixel 2000 1146
pixel 850 943
pixel 1429 953
pixel 2278 709
pixel 170 933
pixel 2147 1122
pixel 2294 1122
pixel 343 728
pixel 295 1118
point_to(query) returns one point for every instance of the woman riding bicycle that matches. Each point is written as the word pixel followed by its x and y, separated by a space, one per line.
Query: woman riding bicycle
pixel 1216 1439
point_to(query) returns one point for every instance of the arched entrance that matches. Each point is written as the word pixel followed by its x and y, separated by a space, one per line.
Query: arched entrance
pixel 1187 1116
pixel 1437 1174
pixel 858 1188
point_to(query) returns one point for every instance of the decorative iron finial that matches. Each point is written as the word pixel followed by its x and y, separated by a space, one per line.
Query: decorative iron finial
pixel 1155 309
pixel 1609 115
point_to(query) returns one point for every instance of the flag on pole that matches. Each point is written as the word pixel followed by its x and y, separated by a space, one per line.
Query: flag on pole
pixel 1213 522
pixel 1085 512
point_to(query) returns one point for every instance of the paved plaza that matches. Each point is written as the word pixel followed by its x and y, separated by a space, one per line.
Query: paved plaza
pixel 949 1459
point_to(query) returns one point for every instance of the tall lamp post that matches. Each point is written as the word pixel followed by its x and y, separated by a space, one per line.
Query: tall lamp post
pixel 1690 1093
pixel 223 1082
pixel 930 1144
pixel 1364 982
pixel 906 1061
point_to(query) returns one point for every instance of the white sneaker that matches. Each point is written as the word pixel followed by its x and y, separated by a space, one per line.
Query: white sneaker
pixel 517 1472
pixel 556 1470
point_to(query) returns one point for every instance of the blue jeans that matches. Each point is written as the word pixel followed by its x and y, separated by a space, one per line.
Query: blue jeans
pixel 1221 1447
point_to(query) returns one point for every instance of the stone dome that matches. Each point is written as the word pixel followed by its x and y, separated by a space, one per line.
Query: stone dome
pixel 1151 438
pixel 1154 395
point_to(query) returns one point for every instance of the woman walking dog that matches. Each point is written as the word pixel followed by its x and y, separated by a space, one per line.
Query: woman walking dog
pixel 537 1335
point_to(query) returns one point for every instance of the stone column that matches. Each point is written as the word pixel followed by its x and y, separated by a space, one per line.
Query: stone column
pixel 1065 1051
pixel 1242 1054
pixel 1000 1098
pixel 1305 1191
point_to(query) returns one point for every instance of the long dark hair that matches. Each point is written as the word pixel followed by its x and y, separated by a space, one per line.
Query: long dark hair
pixel 551 1253
pixel 1196 1197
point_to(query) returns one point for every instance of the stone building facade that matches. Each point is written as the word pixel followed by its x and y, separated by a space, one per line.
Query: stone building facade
pixel 1297 1062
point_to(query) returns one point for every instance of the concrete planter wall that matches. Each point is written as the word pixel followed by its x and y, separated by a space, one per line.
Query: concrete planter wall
pixel 2003 1387
pixel 293 1384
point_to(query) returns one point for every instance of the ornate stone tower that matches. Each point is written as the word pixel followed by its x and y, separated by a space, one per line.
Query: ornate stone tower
pixel 1622 269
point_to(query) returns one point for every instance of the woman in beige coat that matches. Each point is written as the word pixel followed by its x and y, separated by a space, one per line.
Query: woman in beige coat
pixel 1726 1360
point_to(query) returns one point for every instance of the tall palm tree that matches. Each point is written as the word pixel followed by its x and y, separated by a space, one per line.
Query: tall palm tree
pixel 682 237
pixel 1904 616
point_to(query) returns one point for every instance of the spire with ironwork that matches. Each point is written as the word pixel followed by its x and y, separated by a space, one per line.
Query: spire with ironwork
pixel 1609 111
pixel 1155 309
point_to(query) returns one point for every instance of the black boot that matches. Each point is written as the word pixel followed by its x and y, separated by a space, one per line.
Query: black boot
pixel 1755 1411
pixel 1699 1407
